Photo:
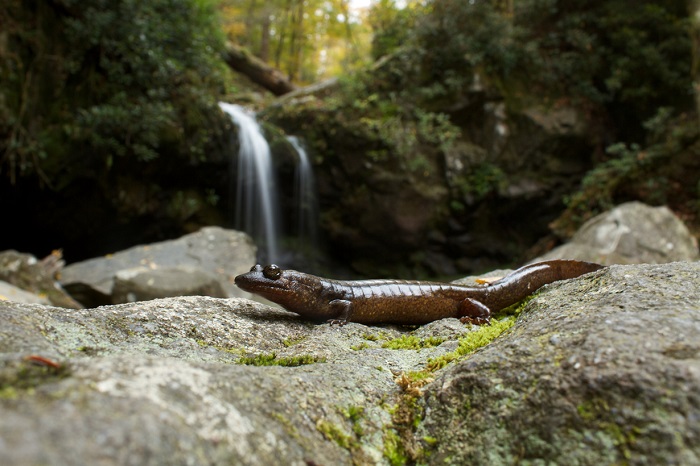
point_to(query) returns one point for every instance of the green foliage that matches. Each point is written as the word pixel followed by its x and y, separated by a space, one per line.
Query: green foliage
pixel 617 63
pixel 481 180
pixel 91 82
pixel 387 111
pixel 653 172
pixel 627 59
pixel 391 25
pixel 459 39
pixel 631 59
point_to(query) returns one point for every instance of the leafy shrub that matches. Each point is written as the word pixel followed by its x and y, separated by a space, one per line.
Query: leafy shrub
pixel 92 81
pixel 623 60
pixel 662 171
pixel 630 59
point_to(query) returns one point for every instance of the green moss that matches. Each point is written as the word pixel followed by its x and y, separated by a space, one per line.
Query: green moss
pixel 361 346
pixel 485 335
pixel 287 342
pixel 394 450
pixel 586 411
pixel 88 350
pixel 596 414
pixel 8 393
pixel 234 351
pixel 502 321
pixel 412 342
pixel 419 376
pixel 473 341
pixel 120 324
pixel 355 414
pixel 22 377
pixel 271 359
pixel 373 336
pixel 334 433
pixel 400 442
pixel 288 425
pixel 338 435
pixel 516 308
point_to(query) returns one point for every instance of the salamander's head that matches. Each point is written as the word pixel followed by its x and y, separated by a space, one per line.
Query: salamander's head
pixel 291 289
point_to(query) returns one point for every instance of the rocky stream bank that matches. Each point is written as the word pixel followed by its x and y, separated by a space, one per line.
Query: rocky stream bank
pixel 604 368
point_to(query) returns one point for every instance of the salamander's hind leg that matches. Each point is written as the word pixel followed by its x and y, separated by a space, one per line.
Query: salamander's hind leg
pixel 342 310
pixel 474 312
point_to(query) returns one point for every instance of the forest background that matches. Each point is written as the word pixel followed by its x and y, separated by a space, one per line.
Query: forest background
pixel 110 134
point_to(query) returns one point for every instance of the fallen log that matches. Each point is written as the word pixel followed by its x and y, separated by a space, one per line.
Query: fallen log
pixel 272 79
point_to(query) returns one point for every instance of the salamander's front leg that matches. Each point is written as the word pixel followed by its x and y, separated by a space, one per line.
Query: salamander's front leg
pixel 474 312
pixel 341 309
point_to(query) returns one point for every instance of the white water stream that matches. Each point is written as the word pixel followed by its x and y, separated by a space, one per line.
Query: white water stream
pixel 305 198
pixel 257 206
pixel 257 209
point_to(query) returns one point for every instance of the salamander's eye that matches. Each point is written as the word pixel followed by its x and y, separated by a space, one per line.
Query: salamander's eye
pixel 272 272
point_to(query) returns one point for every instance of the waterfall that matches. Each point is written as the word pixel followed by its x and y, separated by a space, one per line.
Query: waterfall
pixel 305 199
pixel 257 207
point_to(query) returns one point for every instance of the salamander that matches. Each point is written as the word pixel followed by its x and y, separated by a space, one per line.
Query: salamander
pixel 401 301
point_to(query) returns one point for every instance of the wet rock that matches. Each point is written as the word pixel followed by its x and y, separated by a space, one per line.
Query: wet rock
pixel 215 251
pixel 631 233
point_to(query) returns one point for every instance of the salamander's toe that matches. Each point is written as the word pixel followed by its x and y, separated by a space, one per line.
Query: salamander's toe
pixel 337 322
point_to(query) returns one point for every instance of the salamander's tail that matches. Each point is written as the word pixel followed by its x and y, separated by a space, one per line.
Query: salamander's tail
pixel 541 273
pixel 525 280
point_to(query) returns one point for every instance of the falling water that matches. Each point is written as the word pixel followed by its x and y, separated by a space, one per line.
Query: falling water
pixel 257 209
pixel 305 198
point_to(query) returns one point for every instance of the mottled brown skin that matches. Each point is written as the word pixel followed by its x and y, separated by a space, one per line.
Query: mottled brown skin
pixel 401 301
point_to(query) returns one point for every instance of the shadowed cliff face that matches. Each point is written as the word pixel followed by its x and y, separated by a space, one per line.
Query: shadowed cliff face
pixel 478 180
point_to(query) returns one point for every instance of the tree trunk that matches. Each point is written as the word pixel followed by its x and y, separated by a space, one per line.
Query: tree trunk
pixel 694 10
pixel 296 40
pixel 350 38
pixel 265 39
pixel 258 71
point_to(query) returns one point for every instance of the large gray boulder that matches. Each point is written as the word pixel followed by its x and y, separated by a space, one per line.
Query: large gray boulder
pixel 38 277
pixel 601 369
pixel 214 251
pixel 10 292
pixel 631 233
pixel 143 284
